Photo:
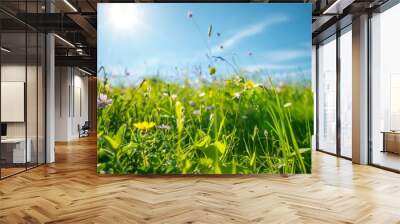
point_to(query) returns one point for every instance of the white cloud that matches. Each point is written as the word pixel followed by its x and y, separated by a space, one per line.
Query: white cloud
pixel 152 61
pixel 269 66
pixel 287 55
pixel 249 31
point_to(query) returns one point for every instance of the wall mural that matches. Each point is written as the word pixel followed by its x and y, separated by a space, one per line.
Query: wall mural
pixel 204 88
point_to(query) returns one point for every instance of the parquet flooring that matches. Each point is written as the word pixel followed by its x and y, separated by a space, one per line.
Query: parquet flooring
pixel 70 191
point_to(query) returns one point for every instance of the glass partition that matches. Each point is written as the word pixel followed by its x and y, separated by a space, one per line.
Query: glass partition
pixel 22 101
pixel 327 95
pixel 31 99
pixel 14 153
pixel 385 89
pixel 41 91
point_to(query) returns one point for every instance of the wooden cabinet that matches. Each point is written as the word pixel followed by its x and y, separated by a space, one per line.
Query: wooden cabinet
pixel 391 142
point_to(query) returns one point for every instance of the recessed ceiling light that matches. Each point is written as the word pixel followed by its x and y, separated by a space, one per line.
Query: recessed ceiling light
pixel 84 71
pixel 335 7
pixel 65 41
pixel 5 50
pixel 70 5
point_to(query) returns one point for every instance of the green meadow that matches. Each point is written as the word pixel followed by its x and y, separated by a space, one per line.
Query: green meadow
pixel 234 126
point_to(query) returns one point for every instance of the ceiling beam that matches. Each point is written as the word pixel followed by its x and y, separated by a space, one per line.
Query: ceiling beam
pixel 76 61
pixel 86 27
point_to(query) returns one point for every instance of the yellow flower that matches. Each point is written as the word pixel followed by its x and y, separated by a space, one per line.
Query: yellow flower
pixel 144 125
pixel 228 82
pixel 212 70
pixel 249 84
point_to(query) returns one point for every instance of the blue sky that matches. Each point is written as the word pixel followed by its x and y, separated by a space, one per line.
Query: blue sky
pixel 149 39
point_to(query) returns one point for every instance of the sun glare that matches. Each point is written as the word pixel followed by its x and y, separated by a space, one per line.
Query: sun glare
pixel 124 17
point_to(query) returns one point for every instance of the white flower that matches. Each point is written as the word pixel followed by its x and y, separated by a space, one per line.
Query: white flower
pixel 236 95
pixel 165 94
pixel 196 112
pixel 164 126
pixel 173 96
pixel 202 94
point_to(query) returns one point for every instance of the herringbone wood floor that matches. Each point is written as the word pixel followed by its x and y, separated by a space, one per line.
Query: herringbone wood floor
pixel 70 191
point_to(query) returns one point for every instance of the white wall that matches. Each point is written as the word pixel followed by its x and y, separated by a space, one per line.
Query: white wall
pixel 71 94
pixel 12 73
pixel 62 81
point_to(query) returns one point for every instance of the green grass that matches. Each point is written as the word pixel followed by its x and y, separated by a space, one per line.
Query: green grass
pixel 208 129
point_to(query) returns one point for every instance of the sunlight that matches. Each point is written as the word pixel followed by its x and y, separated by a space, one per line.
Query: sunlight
pixel 123 17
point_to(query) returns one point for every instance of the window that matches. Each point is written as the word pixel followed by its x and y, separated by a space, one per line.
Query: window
pixel 385 89
pixel 346 92
pixel 327 95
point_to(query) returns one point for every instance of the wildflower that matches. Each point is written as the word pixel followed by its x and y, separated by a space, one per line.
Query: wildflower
pixel 103 101
pixel 165 94
pixel 212 70
pixel 189 14
pixel 287 104
pixel 173 96
pixel 209 31
pixel 127 73
pixel 202 94
pixel 236 95
pixel 249 84
pixel 144 125
pixel 266 133
pixel 164 127
pixel 196 112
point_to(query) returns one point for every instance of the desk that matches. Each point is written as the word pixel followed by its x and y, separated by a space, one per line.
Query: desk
pixel 391 141
pixel 13 150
